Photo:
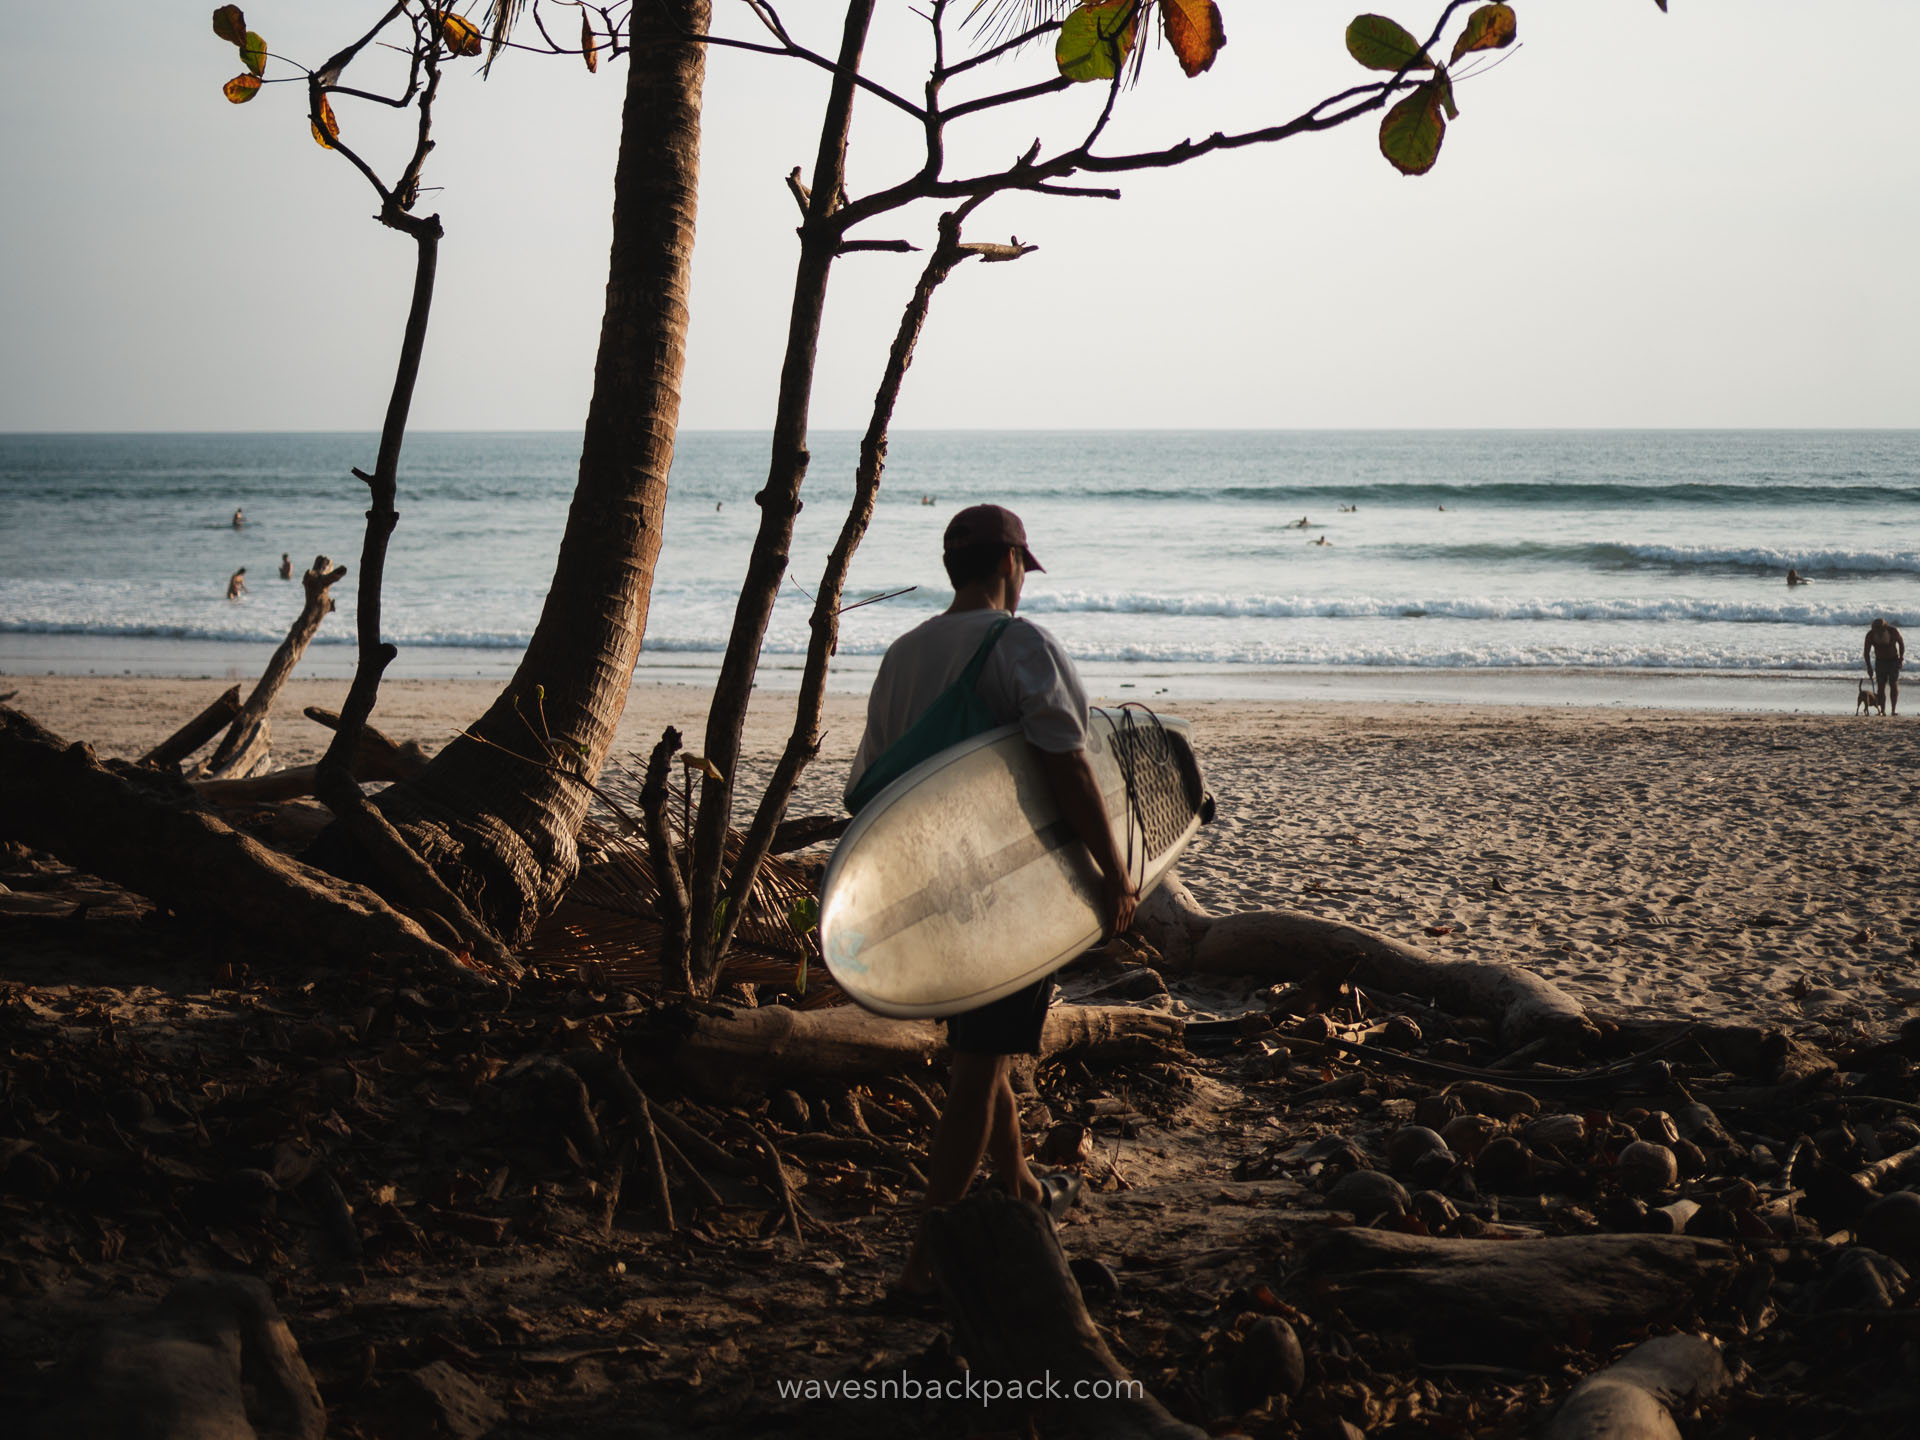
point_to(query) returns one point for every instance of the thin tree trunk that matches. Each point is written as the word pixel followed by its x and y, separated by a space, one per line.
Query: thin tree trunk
pixel 804 742
pixel 779 501
pixel 497 811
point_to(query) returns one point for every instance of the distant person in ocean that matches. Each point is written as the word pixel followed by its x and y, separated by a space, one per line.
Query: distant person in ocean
pixel 286 566
pixel 237 583
pixel 1885 652
pixel 239 517
pixel 1794 577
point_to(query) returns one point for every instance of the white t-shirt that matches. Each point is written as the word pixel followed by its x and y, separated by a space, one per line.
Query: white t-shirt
pixel 1027 678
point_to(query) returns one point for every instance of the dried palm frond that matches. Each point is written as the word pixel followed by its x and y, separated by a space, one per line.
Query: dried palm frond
pixel 610 918
pixel 997 20
pixel 501 15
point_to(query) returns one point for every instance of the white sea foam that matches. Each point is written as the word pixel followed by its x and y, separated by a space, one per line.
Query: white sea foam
pixel 1650 551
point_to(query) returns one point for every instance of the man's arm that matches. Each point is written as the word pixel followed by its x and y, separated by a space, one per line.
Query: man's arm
pixel 1078 795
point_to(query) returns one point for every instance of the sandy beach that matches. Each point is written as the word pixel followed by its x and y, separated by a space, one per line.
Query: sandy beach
pixel 1743 867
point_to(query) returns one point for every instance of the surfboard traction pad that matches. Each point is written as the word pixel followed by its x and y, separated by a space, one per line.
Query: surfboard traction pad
pixel 1164 803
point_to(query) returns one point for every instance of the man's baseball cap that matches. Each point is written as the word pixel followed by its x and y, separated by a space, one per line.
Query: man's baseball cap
pixel 989 525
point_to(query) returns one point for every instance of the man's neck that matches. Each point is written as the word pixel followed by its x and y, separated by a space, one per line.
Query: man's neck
pixel 980 597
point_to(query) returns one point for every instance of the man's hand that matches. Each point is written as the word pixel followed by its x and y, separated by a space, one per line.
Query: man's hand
pixel 1120 900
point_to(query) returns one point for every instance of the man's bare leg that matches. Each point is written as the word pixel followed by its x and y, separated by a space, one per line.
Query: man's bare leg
pixel 1005 1152
pixel 981 1116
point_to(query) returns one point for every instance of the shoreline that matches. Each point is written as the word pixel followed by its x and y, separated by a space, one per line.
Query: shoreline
pixel 25 656
pixel 1742 867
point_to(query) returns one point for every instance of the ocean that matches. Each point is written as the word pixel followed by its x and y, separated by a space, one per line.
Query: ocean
pixel 1609 567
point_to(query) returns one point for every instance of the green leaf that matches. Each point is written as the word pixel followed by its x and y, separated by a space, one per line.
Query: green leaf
pixel 1096 38
pixel 1410 136
pixel 1491 27
pixel 241 89
pixel 804 915
pixel 229 24
pixel 1380 44
pixel 1443 91
pixel 720 917
pixel 253 53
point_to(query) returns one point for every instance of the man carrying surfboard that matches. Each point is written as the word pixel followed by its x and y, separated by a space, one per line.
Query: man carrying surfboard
pixel 1021 674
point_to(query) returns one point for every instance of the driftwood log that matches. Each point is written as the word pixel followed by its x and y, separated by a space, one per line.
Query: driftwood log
pixel 375 757
pixel 213 1361
pixel 1020 1321
pixel 243 750
pixel 144 831
pixel 1632 1398
pixel 1283 945
pixel 737 1053
pixel 1497 1301
pixel 195 733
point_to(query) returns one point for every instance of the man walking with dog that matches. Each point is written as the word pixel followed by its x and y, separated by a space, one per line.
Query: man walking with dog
pixel 1885 652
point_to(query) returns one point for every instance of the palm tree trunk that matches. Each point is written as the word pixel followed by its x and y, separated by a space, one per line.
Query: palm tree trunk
pixel 496 811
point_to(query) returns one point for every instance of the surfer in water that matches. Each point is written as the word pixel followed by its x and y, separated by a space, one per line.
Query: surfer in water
pixel 1026 678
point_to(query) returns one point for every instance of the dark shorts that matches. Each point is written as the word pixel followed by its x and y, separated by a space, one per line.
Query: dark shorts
pixel 1010 1025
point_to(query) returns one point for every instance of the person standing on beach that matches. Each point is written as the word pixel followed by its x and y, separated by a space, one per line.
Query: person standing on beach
pixel 1025 677
pixel 237 583
pixel 1885 652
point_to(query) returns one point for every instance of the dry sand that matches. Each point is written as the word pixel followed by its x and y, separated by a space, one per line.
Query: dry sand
pixel 1746 868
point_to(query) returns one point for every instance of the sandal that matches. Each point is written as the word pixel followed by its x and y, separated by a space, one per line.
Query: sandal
pixel 1060 1191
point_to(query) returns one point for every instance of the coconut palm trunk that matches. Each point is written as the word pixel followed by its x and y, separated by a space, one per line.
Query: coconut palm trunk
pixel 496 812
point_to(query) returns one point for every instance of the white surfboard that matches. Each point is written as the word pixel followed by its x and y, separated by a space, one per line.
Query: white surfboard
pixel 961 882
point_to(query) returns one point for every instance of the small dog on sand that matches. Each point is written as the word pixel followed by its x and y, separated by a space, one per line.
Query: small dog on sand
pixel 1869 700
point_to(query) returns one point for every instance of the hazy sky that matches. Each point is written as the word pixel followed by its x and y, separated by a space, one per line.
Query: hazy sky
pixel 1699 219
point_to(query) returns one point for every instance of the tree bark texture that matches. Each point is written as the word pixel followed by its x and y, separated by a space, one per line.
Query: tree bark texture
pixel 1018 1317
pixel 141 830
pixel 1632 1398
pixel 1498 1301
pixel 496 814
pixel 1284 945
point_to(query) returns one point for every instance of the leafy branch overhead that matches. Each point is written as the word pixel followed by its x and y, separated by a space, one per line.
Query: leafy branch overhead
pixel 456 35
pixel 1097 36
pixel 1411 133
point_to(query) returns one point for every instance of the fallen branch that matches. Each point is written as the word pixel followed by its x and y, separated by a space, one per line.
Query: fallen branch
pixel 141 830
pixel 244 748
pixel 1285 945
pixel 1631 1398
pixel 195 733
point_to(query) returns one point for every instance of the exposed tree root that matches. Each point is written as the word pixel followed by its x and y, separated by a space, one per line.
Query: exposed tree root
pixel 1286 945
